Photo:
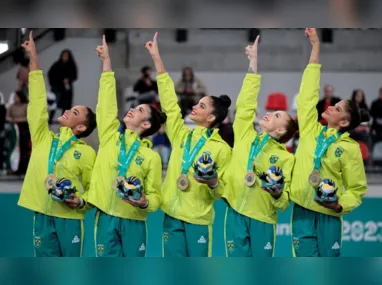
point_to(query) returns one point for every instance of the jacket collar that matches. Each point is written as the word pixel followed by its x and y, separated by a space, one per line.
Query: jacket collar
pixel 131 136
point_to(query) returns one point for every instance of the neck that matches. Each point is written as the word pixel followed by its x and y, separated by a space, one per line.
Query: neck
pixel 75 132
pixel 271 134
pixel 138 131
pixel 204 125
pixel 333 127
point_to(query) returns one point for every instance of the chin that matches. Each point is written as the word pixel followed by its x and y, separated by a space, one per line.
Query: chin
pixel 61 120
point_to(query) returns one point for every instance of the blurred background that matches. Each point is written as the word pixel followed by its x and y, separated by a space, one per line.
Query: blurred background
pixel 201 62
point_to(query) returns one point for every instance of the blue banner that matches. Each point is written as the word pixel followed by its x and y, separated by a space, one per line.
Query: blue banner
pixel 195 271
pixel 362 236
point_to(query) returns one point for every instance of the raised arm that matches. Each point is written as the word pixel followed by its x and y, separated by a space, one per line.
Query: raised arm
pixel 174 125
pixel 107 109
pixel 310 86
pixel 37 114
pixel 246 104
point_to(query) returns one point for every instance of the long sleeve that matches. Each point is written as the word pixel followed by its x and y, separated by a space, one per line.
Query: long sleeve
pixel 174 126
pixel 308 98
pixel 152 184
pixel 37 113
pixel 222 163
pixel 107 109
pixel 354 180
pixel 86 176
pixel 282 203
pixel 246 106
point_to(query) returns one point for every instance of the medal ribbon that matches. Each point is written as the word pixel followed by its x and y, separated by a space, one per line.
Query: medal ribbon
pixel 188 157
pixel 124 159
pixel 322 146
pixel 256 147
pixel 55 155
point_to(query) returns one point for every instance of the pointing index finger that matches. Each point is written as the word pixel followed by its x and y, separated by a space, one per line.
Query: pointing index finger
pixel 155 37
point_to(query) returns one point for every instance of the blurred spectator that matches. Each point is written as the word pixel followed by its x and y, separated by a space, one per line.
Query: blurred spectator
pixel 3 112
pixel 61 76
pixel 376 114
pixel 17 114
pixel 328 100
pixel 190 89
pixel 361 133
pixel 22 76
pixel 162 145
pixel 146 87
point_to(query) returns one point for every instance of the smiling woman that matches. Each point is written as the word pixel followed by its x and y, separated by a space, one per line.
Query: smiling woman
pixel 326 157
pixel 125 186
pixel 188 197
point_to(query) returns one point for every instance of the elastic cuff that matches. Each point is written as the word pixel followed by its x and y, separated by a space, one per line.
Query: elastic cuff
pixel 107 74
pixel 161 76
pixel 253 75
pixel 314 65
pixel 35 72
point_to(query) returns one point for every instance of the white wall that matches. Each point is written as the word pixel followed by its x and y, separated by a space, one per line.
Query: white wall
pixel 89 68
pixel 88 64
pixel 289 83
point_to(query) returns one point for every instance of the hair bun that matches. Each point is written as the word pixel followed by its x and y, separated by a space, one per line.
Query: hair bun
pixel 226 101
pixel 365 117
pixel 163 117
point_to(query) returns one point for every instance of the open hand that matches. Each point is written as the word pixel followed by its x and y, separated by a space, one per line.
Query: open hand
pixel 152 46
pixel 330 205
pixel 73 203
pixel 311 33
pixel 103 51
pixel 275 193
pixel 209 182
pixel 29 46
pixel 138 203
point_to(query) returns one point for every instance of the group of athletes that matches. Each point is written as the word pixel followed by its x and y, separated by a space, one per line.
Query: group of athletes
pixel 325 179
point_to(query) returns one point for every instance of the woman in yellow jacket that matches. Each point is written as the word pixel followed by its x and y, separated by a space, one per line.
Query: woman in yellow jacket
pixel 259 162
pixel 188 194
pixel 327 160
pixel 61 161
pixel 127 173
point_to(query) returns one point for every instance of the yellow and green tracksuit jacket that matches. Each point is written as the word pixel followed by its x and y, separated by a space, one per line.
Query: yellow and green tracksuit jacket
pixel 196 204
pixel 146 165
pixel 252 201
pixel 342 162
pixel 76 164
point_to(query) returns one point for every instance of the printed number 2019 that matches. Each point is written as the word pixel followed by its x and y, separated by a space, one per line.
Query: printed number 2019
pixel 357 231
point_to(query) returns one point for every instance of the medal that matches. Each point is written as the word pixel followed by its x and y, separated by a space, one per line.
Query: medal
pixel 249 178
pixel 117 182
pixel 314 178
pixel 50 181
pixel 183 182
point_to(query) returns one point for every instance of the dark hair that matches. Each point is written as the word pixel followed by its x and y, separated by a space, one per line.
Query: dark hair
pixel 363 104
pixel 291 129
pixel 145 68
pixel 184 74
pixel 220 108
pixel 156 119
pixel 22 96
pixel 356 116
pixel 90 123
